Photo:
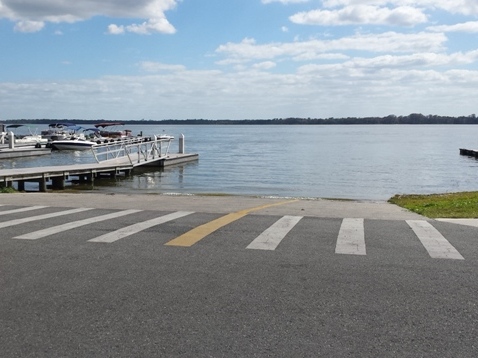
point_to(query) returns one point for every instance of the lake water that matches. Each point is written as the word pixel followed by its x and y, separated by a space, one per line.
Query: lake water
pixel 372 162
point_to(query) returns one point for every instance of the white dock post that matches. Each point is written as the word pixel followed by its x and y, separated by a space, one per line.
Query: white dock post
pixel 11 140
pixel 181 144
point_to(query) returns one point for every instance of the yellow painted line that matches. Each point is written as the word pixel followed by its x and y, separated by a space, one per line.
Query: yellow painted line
pixel 193 236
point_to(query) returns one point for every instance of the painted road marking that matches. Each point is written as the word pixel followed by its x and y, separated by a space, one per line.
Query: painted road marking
pixel 21 210
pixel 437 246
pixel 193 236
pixel 351 239
pixel 73 225
pixel 273 236
pixel 133 229
pixel 42 217
pixel 467 222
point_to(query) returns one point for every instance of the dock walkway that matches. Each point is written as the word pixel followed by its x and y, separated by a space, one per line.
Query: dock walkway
pixel 112 160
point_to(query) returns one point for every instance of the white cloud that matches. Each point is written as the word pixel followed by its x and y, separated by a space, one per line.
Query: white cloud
pixel 266 65
pixel 465 7
pixel 115 29
pixel 150 66
pixel 151 26
pixel 414 62
pixel 29 26
pixel 326 92
pixel 469 27
pixel 362 14
pixel 31 15
pixel 248 50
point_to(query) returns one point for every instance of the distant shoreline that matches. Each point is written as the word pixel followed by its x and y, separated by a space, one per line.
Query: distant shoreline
pixel 414 118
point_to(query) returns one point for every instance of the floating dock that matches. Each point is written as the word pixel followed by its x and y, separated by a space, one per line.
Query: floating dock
pixel 112 161
pixel 22 151
pixel 469 152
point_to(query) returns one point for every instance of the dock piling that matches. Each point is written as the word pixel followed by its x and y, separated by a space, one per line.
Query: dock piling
pixel 181 144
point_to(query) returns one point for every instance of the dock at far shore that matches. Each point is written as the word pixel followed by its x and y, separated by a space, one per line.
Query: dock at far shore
pixel 469 152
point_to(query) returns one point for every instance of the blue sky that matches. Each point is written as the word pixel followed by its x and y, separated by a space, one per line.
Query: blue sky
pixel 237 59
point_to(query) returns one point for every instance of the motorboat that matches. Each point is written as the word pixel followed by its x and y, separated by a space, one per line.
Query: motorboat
pixel 74 143
pixel 113 131
pixel 164 136
pixel 59 131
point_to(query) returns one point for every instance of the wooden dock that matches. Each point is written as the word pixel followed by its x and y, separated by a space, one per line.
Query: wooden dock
pixel 118 161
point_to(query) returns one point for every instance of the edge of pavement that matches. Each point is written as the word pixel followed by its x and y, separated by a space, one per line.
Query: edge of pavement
pixel 325 208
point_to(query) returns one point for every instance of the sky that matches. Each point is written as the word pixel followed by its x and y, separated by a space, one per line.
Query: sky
pixel 237 59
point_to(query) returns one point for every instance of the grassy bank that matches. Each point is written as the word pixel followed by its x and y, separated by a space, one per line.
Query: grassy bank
pixel 452 205
pixel 7 190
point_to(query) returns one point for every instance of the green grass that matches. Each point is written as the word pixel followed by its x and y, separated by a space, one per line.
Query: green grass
pixel 7 190
pixel 452 205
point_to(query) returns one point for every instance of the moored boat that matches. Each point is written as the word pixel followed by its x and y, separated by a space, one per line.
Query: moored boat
pixel 113 131
pixel 59 131
pixel 23 139
pixel 73 144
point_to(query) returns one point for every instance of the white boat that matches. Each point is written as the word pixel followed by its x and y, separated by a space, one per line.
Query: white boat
pixel 59 131
pixel 23 139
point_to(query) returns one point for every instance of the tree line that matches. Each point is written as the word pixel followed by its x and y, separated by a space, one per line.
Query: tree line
pixel 414 118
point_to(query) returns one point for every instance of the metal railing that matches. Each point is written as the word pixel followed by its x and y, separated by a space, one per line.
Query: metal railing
pixel 136 150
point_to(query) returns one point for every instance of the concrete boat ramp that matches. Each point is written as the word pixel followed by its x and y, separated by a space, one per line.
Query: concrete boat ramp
pixel 111 160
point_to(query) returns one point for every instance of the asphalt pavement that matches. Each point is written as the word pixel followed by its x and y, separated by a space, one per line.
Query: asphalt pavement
pixel 87 275
pixel 218 204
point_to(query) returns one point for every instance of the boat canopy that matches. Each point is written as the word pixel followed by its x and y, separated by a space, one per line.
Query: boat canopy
pixel 91 129
pixel 61 125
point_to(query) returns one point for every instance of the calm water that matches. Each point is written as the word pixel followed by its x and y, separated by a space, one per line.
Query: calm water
pixel 359 162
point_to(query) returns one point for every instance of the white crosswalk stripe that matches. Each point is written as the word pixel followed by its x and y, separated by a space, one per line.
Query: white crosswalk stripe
pixel 437 246
pixel 133 229
pixel 73 225
pixel 21 210
pixel 273 236
pixel 42 217
pixel 351 239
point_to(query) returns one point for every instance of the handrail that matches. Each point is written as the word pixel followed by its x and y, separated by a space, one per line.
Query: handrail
pixel 135 149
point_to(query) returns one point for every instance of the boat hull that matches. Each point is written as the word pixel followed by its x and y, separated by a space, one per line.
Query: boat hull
pixel 72 144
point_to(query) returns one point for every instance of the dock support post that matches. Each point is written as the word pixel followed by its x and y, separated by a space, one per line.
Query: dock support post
pixel 21 185
pixel 181 144
pixel 42 183
pixel 6 183
pixel 58 183
pixel 90 178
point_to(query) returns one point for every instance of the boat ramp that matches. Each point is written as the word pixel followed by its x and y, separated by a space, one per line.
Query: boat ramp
pixel 111 160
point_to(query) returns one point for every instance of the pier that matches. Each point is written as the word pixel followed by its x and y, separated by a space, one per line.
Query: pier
pixel 469 152
pixel 112 159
